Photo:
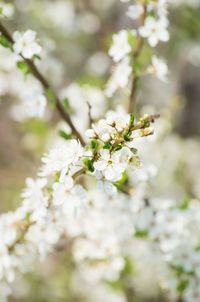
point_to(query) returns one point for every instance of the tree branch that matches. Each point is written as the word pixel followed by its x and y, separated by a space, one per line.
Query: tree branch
pixel 136 54
pixel 46 85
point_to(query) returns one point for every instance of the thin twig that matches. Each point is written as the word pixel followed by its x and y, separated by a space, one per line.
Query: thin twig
pixel 90 114
pixel 136 54
pixel 46 86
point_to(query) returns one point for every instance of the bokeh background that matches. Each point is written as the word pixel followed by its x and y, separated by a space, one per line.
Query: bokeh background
pixel 75 36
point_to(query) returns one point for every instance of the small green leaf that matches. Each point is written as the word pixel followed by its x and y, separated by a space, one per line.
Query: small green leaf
pixel 141 233
pixel 23 66
pixel 132 118
pixel 37 57
pixel 118 147
pixel 89 164
pixel 128 266
pixel 127 136
pixel 65 135
pixel 51 97
pixel 107 146
pixel 123 179
pixel 66 103
pixel 5 42
pixel 183 284
pixel 94 144
pixel 185 203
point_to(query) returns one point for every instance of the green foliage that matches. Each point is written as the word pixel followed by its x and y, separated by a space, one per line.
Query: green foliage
pixel 127 136
pixel 141 233
pixel 132 119
pixel 89 164
pixel 185 203
pixel 65 135
pixel 118 147
pixel 23 67
pixel 51 97
pixel 66 103
pixel 4 42
pixel 182 285
pixel 107 146
pixel 94 144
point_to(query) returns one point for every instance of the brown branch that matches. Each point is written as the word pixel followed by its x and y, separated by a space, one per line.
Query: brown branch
pixel 136 53
pixel 46 85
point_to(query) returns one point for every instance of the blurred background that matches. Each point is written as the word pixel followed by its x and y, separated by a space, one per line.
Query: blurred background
pixel 75 36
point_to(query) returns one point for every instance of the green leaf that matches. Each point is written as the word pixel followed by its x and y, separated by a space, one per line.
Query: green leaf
pixel 141 233
pixel 183 284
pixel 65 135
pixel 123 179
pixel 185 203
pixel 89 164
pixel 94 144
pixel 23 66
pixel 132 118
pixel 51 97
pixel 107 146
pixel 66 103
pixel 5 42
pixel 118 147
pixel 127 136
pixel 128 267
pixel 37 57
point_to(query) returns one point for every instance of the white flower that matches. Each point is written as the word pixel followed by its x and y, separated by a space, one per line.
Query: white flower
pixel 158 68
pixel 62 190
pixel 107 187
pixel 120 47
pixel 7 9
pixel 113 165
pixel 35 105
pixel 31 106
pixel 34 188
pixel 119 118
pixel 155 31
pixel 120 77
pixel 104 131
pixel 61 157
pixel 122 158
pixel 107 165
pixel 25 44
pixel 135 11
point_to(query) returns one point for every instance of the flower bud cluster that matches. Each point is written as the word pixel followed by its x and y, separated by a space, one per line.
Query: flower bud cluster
pixel 127 44
pixel 111 150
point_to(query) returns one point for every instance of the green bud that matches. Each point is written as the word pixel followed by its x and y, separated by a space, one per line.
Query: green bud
pixel 89 164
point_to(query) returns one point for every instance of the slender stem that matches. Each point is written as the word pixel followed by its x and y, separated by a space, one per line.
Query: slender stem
pixel 136 54
pixel 46 85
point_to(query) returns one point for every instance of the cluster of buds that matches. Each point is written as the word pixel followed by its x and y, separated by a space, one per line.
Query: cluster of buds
pixel 111 149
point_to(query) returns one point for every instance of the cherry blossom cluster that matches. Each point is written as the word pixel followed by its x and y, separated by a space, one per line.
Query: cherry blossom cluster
pixel 112 145
pixel 127 44
pixel 97 199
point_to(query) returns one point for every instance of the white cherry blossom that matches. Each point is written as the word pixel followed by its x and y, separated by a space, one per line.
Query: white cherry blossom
pixel 7 10
pixel 120 46
pixel 158 68
pixel 135 11
pixel 119 77
pixel 25 43
pixel 155 31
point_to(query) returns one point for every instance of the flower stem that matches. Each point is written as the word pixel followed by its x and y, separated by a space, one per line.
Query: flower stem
pixel 136 53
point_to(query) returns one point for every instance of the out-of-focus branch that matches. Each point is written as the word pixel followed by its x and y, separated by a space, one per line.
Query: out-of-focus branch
pixel 136 53
pixel 46 85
